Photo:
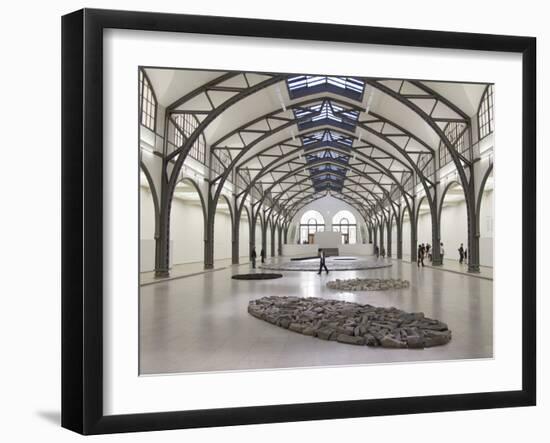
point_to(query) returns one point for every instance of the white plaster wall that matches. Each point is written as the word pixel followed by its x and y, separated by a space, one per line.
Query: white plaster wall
pixel 454 230
pixel 328 239
pixel 328 207
pixel 424 225
pixel 222 233
pixel 147 214
pixel 268 241
pixel 258 239
pixel 406 237
pixel 356 249
pixel 276 250
pixel 146 230
pixel 394 240
pixel 244 237
pixel 186 232
pixel 292 250
pixel 486 229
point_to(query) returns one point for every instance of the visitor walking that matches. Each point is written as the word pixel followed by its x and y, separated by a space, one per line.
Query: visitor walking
pixel 441 252
pixel 253 258
pixel 466 255
pixel 421 251
pixel 262 255
pixel 461 253
pixel 376 251
pixel 322 263
pixel 428 251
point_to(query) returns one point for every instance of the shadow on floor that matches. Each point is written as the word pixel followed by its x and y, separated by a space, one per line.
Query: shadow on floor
pixel 53 417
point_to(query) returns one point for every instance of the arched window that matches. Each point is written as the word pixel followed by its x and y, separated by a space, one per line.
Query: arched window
pixel 148 102
pixel 485 118
pixel 310 223
pixel 185 125
pixel 455 133
pixel 344 222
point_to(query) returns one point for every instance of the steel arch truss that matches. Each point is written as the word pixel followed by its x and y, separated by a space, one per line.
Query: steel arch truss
pixel 320 144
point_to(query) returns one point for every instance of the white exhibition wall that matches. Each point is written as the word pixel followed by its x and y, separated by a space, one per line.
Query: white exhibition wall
pixel 244 237
pixel 454 230
pixel 187 232
pixel 328 207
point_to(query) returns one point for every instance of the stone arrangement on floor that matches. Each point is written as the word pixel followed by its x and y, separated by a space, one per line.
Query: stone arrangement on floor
pixel 351 323
pixel 368 284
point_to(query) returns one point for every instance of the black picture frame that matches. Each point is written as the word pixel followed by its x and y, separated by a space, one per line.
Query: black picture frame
pixel 82 218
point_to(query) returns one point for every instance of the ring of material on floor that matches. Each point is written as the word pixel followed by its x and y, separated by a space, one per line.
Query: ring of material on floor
pixel 256 276
pixel 333 264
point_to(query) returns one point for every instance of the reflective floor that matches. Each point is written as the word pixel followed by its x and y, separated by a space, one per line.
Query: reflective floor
pixel 200 323
pixel 339 263
pixel 452 265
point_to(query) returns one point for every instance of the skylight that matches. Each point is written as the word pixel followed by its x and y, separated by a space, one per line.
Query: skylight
pixel 327 138
pixel 327 113
pixel 327 155
pixel 301 85
pixel 325 174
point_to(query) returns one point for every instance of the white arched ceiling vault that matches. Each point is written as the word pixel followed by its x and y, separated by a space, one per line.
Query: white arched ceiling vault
pixel 262 133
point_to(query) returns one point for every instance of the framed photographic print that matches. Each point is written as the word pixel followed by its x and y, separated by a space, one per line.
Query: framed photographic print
pixel 270 221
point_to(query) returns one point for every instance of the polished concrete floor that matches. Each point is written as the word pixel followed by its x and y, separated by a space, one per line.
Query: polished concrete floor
pixel 452 265
pixel 186 269
pixel 200 323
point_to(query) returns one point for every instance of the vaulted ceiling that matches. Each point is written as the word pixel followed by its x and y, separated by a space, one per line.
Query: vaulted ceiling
pixel 300 137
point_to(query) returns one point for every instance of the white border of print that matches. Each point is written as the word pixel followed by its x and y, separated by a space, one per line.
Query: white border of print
pixel 125 392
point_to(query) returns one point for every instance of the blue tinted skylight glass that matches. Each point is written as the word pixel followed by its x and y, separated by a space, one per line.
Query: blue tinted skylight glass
pixel 301 85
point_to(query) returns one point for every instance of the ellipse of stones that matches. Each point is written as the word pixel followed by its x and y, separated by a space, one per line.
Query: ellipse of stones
pixel 351 323
pixel 368 284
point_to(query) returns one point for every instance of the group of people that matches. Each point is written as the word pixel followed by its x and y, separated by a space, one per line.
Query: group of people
pixel 379 252
pixel 253 256
pixel 424 251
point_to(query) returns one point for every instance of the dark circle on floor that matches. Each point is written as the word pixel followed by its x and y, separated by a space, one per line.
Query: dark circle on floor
pixel 258 276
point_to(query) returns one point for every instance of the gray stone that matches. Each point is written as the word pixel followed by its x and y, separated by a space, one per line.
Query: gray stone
pixel 325 333
pixel 370 340
pixel 415 341
pixel 296 327
pixel 343 338
pixel 436 338
pixel 367 284
pixel 285 323
pixel 346 322
pixel 391 342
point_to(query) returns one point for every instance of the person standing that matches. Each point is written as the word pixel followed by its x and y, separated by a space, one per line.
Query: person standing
pixel 383 253
pixel 441 252
pixel 428 251
pixel 322 263
pixel 376 251
pixel 262 255
pixel 461 253
pixel 253 258
pixel 466 255
pixel 420 260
